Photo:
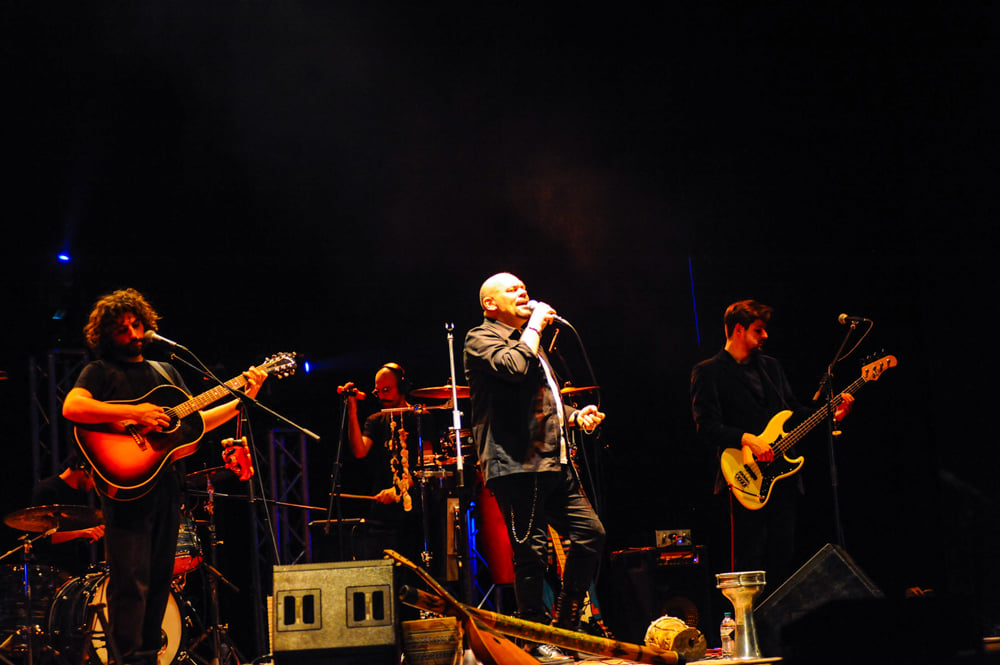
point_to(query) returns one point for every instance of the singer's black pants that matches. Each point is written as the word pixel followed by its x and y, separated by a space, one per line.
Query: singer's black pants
pixel 530 502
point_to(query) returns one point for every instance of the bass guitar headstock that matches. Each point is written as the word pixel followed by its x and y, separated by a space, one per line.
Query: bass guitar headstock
pixel 873 370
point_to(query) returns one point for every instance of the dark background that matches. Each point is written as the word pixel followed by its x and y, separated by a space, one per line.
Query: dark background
pixel 337 179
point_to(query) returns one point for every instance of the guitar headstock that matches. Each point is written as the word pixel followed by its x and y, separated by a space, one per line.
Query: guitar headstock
pixel 280 365
pixel 873 370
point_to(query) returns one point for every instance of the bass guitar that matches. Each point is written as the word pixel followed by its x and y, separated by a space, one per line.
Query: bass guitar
pixel 752 483
pixel 127 458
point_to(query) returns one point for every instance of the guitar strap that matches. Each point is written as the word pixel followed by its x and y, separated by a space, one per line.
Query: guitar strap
pixel 155 364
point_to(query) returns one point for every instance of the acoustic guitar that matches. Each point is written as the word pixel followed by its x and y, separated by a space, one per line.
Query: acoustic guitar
pixel 127 459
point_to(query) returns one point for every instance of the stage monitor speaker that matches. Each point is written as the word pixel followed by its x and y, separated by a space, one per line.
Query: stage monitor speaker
pixel 650 582
pixel 830 575
pixel 341 612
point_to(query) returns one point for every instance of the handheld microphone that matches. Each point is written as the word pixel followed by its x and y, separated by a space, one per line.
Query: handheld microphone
pixel 151 337
pixel 352 392
pixel 845 319
pixel 532 304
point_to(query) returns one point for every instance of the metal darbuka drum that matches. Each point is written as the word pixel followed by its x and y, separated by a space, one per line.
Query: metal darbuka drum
pixel 741 589
pixel 68 621
pixel 188 555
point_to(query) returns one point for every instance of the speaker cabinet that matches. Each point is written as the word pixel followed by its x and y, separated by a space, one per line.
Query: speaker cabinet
pixel 335 613
pixel 830 575
pixel 650 582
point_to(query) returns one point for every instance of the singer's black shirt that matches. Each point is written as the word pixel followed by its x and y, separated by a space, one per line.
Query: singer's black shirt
pixel 515 419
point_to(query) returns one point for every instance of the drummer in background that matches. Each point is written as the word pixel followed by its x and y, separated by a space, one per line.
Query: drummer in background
pixel 67 551
pixel 390 442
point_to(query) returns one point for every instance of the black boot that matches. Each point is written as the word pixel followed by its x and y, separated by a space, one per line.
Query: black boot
pixel 567 611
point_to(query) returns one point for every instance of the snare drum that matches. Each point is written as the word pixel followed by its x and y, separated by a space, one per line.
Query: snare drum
pixel 68 620
pixel 188 555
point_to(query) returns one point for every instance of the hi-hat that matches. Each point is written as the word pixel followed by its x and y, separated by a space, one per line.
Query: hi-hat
pixel 39 519
pixel 441 392
pixel 572 390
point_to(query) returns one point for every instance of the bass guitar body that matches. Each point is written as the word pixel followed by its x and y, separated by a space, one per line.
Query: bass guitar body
pixel 126 460
pixel 752 483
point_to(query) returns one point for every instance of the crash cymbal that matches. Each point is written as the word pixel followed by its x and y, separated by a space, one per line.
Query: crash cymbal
pixel 572 390
pixel 39 519
pixel 441 392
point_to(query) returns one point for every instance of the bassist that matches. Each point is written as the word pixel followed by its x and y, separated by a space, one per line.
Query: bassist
pixel 733 395
pixel 141 534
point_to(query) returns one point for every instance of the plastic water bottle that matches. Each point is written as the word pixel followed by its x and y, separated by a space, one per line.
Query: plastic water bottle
pixel 728 632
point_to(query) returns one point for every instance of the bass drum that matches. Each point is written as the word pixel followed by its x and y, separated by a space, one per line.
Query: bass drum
pixel 68 620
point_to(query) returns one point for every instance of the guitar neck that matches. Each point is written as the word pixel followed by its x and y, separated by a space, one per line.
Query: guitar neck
pixel 818 416
pixel 199 402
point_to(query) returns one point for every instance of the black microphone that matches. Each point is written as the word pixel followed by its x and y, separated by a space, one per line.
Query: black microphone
pixel 151 337
pixel 352 392
pixel 845 319
pixel 532 304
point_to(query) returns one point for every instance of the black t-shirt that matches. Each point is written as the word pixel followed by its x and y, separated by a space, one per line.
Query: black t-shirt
pixel 109 380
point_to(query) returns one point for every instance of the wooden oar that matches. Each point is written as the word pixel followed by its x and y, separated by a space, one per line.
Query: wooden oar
pixel 489 647
pixel 537 632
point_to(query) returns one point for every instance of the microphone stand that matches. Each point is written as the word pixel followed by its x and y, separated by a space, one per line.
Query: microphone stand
pixel 465 554
pixel 825 392
pixel 244 399
pixel 335 485
pixel 205 372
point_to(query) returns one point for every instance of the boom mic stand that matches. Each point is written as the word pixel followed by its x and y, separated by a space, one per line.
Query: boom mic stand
pixel 825 392
pixel 201 368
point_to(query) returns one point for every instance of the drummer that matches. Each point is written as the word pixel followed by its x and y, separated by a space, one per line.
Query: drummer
pixel 390 442
pixel 68 551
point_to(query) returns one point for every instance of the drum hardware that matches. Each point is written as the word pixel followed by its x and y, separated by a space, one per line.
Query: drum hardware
pixel 223 648
pixel 741 589
pixel 23 638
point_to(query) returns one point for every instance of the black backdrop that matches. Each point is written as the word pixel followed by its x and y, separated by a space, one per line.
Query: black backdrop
pixel 337 179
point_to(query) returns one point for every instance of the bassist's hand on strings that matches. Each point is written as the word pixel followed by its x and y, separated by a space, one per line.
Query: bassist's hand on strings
pixel 754 446
pixel 844 408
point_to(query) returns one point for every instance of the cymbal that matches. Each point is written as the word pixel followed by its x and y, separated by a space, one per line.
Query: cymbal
pixel 39 519
pixel 201 477
pixel 418 408
pixel 572 390
pixel 441 392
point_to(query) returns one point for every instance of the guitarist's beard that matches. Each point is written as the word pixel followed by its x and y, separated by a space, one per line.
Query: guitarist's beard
pixel 129 352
